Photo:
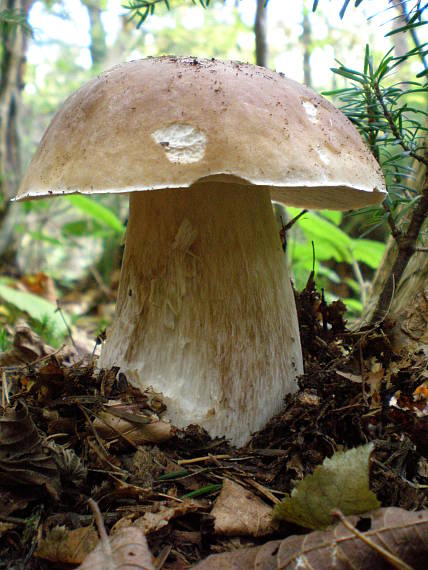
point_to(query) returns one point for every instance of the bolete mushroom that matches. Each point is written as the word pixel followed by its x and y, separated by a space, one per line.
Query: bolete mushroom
pixel 205 311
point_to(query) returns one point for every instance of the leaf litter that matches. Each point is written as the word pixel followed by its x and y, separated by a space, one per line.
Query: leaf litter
pixel 79 434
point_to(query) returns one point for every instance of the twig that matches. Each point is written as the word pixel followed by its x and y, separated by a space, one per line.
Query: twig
pixel 264 491
pixel 33 362
pixel 105 542
pixel 59 310
pixel 99 441
pixel 286 227
pixel 161 558
pixel 394 129
pixel 395 232
pixel 204 458
pixel 5 401
pixel 13 520
pixel 391 558
pixel 97 276
pixel 360 279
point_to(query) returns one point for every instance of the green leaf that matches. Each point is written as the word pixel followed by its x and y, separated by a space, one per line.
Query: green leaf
pixel 38 308
pixel 334 216
pixel 341 482
pixel 81 228
pixel 405 28
pixel 96 211
pixel 202 491
pixel 323 233
pixel 368 251
pixel 302 252
pixel 174 475
pixel 353 306
pixel 353 75
pixel 40 236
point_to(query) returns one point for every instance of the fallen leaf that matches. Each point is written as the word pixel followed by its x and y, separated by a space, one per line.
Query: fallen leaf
pixel 238 512
pixel 136 427
pixel 153 521
pixel 401 532
pixel 27 347
pixel 126 549
pixel 39 284
pixel 349 376
pixel 24 459
pixel 67 546
pixel 341 482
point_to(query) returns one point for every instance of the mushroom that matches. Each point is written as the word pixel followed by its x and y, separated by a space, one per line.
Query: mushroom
pixel 205 312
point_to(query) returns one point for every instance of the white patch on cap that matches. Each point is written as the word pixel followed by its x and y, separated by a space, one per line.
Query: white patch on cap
pixel 311 111
pixel 182 143
pixel 323 156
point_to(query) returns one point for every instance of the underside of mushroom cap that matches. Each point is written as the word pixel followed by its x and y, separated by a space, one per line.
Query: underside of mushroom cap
pixel 169 122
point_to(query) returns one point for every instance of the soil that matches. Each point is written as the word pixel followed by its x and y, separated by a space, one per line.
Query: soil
pixel 355 390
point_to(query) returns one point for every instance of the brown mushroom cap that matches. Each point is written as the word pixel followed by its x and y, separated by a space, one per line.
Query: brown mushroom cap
pixel 168 122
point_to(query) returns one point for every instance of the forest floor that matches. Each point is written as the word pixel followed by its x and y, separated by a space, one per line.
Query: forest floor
pixel 67 421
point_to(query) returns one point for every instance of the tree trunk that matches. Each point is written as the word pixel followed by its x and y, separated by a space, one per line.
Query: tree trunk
pixel 407 314
pixel 12 59
pixel 98 47
pixel 306 39
pixel 408 311
pixel 260 26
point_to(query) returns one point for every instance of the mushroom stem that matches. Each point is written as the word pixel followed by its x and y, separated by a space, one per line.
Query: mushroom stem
pixel 205 311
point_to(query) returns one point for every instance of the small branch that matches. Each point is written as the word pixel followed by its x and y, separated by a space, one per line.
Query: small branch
pixel 359 277
pixel 67 326
pixel 285 228
pixel 372 134
pixel 395 232
pixel 105 542
pixel 394 129
pixel 5 401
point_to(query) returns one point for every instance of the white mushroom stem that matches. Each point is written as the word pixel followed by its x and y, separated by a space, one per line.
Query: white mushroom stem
pixel 205 311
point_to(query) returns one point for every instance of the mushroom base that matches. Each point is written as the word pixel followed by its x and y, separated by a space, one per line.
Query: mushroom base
pixel 205 311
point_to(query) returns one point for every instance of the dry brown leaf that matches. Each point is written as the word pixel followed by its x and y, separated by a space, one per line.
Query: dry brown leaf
pixel 138 428
pixel 27 347
pixel 238 512
pixel 357 378
pixel 402 533
pixel 67 546
pixel 126 550
pixel 39 284
pixel 24 459
pixel 152 521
